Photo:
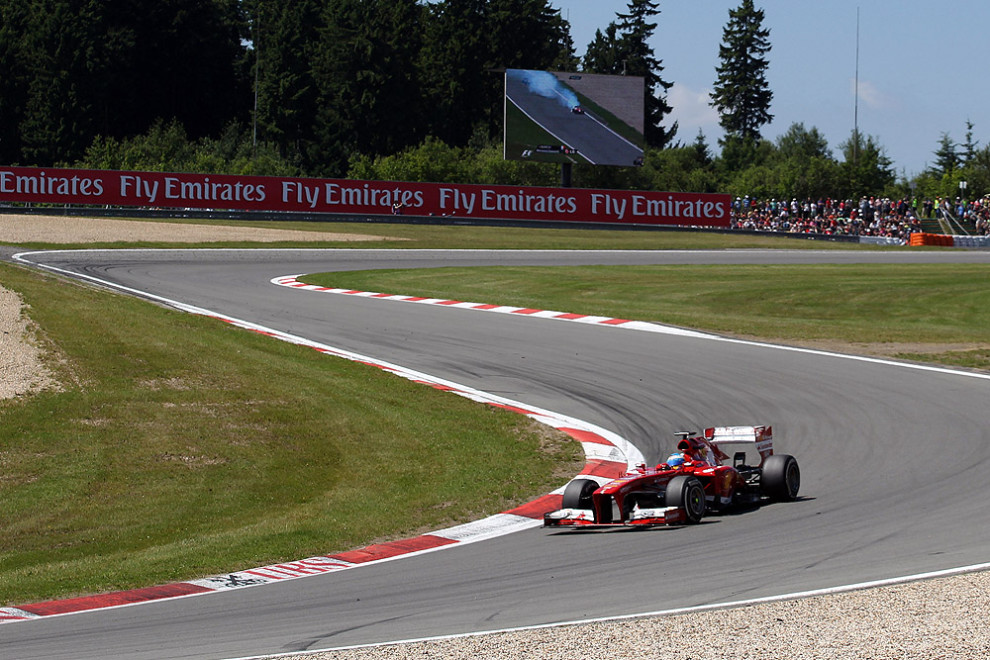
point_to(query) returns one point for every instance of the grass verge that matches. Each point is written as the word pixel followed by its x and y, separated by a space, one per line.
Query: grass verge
pixel 187 447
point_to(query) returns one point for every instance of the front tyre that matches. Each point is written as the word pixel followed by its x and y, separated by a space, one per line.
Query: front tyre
pixel 577 494
pixel 781 478
pixel 686 492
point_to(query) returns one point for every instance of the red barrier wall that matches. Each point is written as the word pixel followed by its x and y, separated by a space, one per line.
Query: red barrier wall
pixel 258 193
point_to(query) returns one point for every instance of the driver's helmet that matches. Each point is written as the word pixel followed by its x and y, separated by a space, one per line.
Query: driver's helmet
pixel 675 460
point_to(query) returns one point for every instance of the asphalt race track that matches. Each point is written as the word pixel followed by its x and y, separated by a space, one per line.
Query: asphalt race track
pixel 892 460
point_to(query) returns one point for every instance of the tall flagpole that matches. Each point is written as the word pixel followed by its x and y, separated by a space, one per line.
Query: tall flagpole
pixel 856 101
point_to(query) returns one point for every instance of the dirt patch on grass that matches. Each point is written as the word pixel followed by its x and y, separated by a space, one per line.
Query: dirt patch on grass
pixel 568 458
pixel 22 369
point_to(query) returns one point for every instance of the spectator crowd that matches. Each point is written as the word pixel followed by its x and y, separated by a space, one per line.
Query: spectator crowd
pixel 869 216
pixel 976 212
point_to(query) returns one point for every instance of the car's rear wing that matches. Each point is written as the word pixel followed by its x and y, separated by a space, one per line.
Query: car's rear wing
pixel 761 437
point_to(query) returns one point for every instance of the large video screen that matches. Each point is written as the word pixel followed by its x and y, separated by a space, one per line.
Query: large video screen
pixel 560 117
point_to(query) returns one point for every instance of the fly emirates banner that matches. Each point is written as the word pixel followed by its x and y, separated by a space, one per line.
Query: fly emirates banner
pixel 345 196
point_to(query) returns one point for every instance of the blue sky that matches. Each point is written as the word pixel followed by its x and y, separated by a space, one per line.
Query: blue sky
pixel 923 67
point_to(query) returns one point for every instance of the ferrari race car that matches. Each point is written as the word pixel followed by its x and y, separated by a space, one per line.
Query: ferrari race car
pixel 698 479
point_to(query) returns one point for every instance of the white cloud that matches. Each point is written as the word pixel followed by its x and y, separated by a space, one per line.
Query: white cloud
pixel 691 110
pixel 870 94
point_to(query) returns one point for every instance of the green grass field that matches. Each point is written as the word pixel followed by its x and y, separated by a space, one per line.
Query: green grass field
pixel 180 446
pixel 184 447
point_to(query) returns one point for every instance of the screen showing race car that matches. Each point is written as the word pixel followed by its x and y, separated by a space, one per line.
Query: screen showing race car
pixel 560 117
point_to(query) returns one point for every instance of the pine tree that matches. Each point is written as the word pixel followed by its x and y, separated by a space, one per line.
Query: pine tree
pixel 283 36
pixel 947 157
pixel 742 95
pixel 624 49
pixel 700 151
pixel 82 68
pixel 636 31
pixel 363 70
pixel 969 145
pixel 466 44
pixel 871 171
pixel 603 54
pixel 453 65
pixel 522 34
pixel 13 77
pixel 566 58
pixel 802 144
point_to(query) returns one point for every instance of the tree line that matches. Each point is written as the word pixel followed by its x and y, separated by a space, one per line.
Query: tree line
pixel 393 89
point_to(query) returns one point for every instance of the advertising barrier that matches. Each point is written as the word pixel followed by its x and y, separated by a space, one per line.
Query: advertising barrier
pixel 921 239
pixel 950 240
pixel 345 196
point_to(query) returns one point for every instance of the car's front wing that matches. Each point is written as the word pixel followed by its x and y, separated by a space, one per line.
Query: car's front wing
pixel 585 518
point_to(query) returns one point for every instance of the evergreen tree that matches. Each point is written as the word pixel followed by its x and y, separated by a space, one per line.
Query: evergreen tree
pixel 977 171
pixel 283 38
pixel 566 58
pixel 624 49
pixel 467 43
pixel 58 113
pixel 82 68
pixel 947 158
pixel 522 34
pixel 871 171
pixel 189 58
pixel 636 30
pixel 699 148
pixel 368 93
pixel 742 95
pixel 453 65
pixel 969 147
pixel 13 78
pixel 801 144
pixel 604 53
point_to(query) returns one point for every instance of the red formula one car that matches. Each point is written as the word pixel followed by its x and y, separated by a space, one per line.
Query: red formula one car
pixel 698 479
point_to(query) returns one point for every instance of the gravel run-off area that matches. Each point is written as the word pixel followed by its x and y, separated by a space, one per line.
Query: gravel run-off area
pixel 943 617
pixel 22 370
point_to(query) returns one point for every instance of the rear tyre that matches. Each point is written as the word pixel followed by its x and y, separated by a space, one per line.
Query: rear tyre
pixel 781 478
pixel 687 493
pixel 577 494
